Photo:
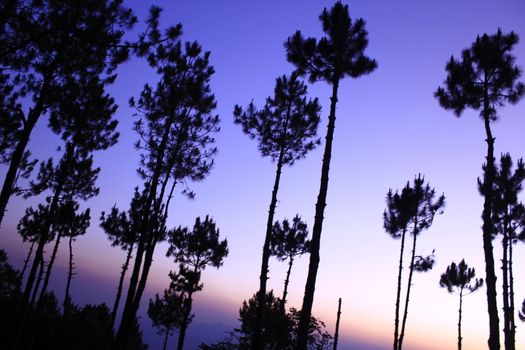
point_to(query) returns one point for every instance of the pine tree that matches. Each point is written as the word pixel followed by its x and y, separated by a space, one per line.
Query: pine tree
pixel 509 219
pixel 286 129
pixel 194 251
pixel 287 243
pixel 411 211
pixel 484 79
pixel 176 129
pixel 330 59
pixel 61 56
pixel 458 278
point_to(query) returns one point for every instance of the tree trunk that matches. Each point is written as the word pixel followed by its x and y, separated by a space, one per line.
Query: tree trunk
pixel 258 343
pixel 309 290
pixel 488 183
pixel 409 287
pixel 166 338
pixel 38 280
pixel 185 322
pixel 16 158
pixel 512 324
pixel 459 320
pixel 49 268
pixel 125 267
pixel 336 336
pixel 505 286
pixel 67 297
pixel 26 261
pixel 398 297
pixel 286 281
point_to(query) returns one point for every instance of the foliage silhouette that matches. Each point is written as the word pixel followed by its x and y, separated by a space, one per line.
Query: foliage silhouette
pixel 167 312
pixel 411 211
pixel 176 128
pixel 57 58
pixel 194 251
pixel 279 328
pixel 484 79
pixel 287 242
pixel 457 278
pixel 286 129
pixel 509 221
pixel 330 59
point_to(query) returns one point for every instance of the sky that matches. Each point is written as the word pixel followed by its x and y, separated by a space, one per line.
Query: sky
pixel 389 128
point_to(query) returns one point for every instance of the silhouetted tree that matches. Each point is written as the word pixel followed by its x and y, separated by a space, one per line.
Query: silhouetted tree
pixel 509 221
pixel 457 278
pixel 330 59
pixel 336 336
pixel 485 78
pixel 166 313
pixel 194 251
pixel 123 229
pixel 176 128
pixel 411 211
pixel 287 242
pixel 286 129
pixel 55 57
pixel 279 328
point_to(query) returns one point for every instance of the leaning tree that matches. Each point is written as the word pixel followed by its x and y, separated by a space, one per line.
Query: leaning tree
pixel 457 278
pixel 337 55
pixel 411 211
pixel 485 78
pixel 48 51
pixel 286 129
pixel 176 126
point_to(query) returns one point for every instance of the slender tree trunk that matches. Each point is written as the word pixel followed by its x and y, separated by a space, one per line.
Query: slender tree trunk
pixel 398 297
pixel 185 322
pixel 505 286
pixel 17 156
pixel 38 280
pixel 148 260
pixel 511 300
pixel 125 267
pixel 488 182
pixel 258 342
pixel 336 336
pixel 459 320
pixel 409 287
pixel 286 281
pixel 166 338
pixel 49 268
pixel 309 290
pixel 67 297
pixel 26 261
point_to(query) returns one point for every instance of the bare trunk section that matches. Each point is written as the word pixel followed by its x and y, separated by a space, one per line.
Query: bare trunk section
pixel 258 342
pixel 16 158
pixel 459 320
pixel 409 287
pixel 49 268
pixel 309 290
pixel 336 336
pixel 28 257
pixel 185 322
pixel 398 297
pixel 505 286
pixel 67 297
pixel 488 182
pixel 286 281
pixel 116 304
pixel 511 300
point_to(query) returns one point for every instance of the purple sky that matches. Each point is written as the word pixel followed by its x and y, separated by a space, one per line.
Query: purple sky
pixel 389 128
